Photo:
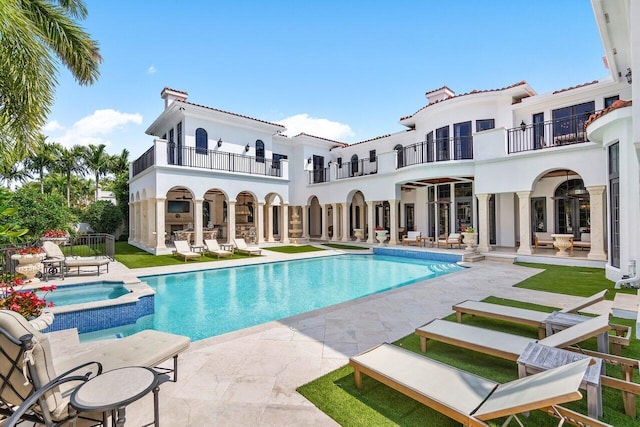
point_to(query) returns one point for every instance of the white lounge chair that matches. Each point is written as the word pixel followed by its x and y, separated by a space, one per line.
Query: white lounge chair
pixel 467 398
pixel 183 250
pixel 22 344
pixel 452 240
pixel 241 246
pixel 54 253
pixel 411 238
pixel 213 248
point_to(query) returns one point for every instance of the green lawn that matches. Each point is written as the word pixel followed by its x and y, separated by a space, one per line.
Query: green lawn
pixel 379 405
pixel 293 249
pixel 133 257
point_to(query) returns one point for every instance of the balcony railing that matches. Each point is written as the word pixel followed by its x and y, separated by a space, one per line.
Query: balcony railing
pixel 358 168
pixel 440 150
pixel 144 162
pixel 552 133
pixel 319 175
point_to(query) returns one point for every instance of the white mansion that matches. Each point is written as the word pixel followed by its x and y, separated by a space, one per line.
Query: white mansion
pixel 509 162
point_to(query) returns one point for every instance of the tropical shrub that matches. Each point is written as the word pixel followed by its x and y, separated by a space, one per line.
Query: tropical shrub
pixel 103 216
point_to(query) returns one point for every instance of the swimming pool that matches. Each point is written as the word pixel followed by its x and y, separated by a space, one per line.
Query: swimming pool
pixel 205 303
pixel 88 292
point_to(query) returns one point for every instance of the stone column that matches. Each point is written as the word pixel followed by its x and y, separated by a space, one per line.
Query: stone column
pixel 524 203
pixel 371 206
pixel 484 244
pixel 132 222
pixel 260 225
pixel 334 218
pixel 136 222
pixel 144 222
pixel 151 223
pixel 346 235
pixel 269 223
pixel 231 220
pixel 596 203
pixel 305 221
pixel 161 232
pixel 393 217
pixel 284 235
pixel 197 222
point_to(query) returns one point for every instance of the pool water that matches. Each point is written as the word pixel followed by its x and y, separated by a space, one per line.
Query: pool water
pixel 78 294
pixel 206 303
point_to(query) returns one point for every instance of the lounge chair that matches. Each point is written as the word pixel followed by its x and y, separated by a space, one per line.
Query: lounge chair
pixel 411 238
pixel 213 248
pixel 452 240
pixel 54 253
pixel 21 344
pixel 183 250
pixel 530 317
pixel 241 246
pixel 470 399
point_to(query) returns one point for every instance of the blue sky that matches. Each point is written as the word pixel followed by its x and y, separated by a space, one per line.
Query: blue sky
pixel 345 70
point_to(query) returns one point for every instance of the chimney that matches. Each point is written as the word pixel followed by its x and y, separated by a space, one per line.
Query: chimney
pixel 439 94
pixel 169 95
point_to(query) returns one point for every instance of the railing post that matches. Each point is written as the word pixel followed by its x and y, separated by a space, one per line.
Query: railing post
pixel 160 152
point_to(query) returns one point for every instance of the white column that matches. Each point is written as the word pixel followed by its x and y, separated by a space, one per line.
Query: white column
pixel 260 226
pixel 334 218
pixel 393 238
pixel 137 222
pixel 484 244
pixel 305 221
pixel 284 235
pixel 132 222
pixel 524 202
pixel 160 226
pixel 197 222
pixel 346 235
pixel 144 223
pixel 151 222
pixel 324 222
pixel 596 203
pixel 231 220
pixel 370 225
pixel 269 223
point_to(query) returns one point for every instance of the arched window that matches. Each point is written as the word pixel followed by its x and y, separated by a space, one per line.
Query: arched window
pixel 259 151
pixel 354 165
pixel 572 210
pixel 202 141
pixel 400 150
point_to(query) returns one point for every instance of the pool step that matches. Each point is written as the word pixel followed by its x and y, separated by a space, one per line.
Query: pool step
pixel 472 257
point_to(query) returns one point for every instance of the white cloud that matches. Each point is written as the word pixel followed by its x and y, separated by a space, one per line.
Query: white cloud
pixel 152 70
pixel 96 128
pixel 319 127
pixel 52 126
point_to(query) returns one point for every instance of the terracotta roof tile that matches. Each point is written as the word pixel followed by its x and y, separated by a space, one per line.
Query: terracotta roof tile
pixel 319 137
pixel 174 90
pixel 233 114
pixel 473 92
pixel 617 104
pixel 440 88
pixel 575 87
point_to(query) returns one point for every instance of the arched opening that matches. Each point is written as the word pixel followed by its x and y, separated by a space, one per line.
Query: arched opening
pixel 259 151
pixel 354 165
pixel 399 149
pixel 572 208
pixel 202 141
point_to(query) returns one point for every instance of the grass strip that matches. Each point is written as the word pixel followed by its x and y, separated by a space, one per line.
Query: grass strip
pixel 134 257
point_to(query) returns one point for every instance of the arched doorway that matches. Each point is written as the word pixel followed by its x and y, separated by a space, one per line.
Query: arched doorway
pixel 572 208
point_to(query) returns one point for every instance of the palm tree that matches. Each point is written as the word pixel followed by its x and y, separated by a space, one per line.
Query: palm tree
pixel 98 161
pixel 43 157
pixel 11 165
pixel 36 35
pixel 69 164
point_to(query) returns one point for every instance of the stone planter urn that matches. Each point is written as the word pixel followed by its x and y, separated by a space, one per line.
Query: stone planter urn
pixel 29 265
pixel 562 242
pixel 359 233
pixel 469 239
pixel 57 240
pixel 381 236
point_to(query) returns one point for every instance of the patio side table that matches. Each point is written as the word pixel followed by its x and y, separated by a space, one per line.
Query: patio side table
pixel 112 391
pixel 52 267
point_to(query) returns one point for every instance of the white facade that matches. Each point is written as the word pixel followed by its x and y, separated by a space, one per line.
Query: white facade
pixel 507 161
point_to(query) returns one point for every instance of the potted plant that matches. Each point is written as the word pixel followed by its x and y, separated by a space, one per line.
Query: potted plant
pixel 29 261
pixel 381 235
pixel 24 301
pixel 56 236
pixel 469 238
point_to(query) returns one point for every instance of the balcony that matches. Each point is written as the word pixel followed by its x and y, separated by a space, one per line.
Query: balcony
pixel 440 150
pixel 318 176
pixel 553 133
pixel 162 154
pixel 358 168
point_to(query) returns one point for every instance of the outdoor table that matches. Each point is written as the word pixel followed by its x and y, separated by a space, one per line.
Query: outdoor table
pixel 537 358
pixel 227 247
pixel 558 321
pixel 197 248
pixel 112 391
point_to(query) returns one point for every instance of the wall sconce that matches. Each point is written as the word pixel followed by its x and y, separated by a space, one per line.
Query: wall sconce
pixel 219 142
pixel 246 148
pixel 523 126
pixel 628 75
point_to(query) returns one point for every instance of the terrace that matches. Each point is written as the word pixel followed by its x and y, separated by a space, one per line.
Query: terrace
pixel 439 150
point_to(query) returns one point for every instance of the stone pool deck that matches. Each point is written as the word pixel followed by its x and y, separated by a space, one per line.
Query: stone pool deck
pixel 249 377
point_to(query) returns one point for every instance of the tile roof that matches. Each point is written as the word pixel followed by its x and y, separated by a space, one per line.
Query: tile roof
pixel 174 90
pixel 617 104
pixel 436 90
pixel 473 92
pixel 319 137
pixel 575 87
pixel 233 114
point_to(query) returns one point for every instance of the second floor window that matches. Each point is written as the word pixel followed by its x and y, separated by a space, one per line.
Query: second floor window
pixel 372 156
pixel 610 100
pixel 354 164
pixel 339 162
pixel 259 151
pixel 202 141
pixel 485 124
pixel 400 155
